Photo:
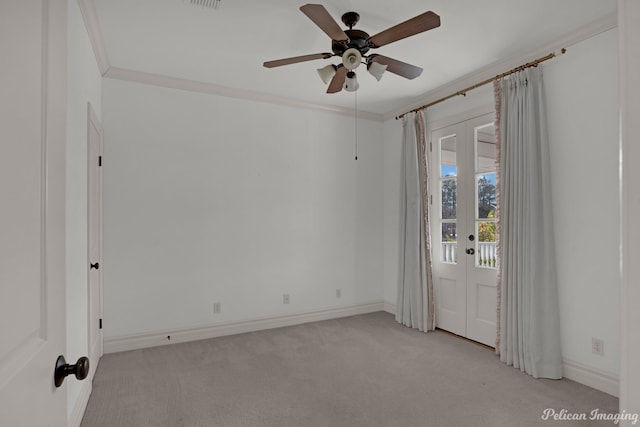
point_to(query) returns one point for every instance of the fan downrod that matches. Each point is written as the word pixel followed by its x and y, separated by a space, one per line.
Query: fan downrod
pixel 357 38
pixel 350 19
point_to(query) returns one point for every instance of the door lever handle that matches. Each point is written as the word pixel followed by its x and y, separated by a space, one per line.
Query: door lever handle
pixel 96 265
pixel 470 251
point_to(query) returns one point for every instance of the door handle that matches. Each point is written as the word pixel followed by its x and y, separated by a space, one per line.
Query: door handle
pixel 470 251
pixel 80 370
pixel 471 237
pixel 96 265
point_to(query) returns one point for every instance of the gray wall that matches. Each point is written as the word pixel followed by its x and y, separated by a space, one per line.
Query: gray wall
pixel 213 199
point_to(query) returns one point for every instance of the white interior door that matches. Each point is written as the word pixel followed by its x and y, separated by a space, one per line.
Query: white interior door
pixel 464 244
pixel 94 264
pixel 32 193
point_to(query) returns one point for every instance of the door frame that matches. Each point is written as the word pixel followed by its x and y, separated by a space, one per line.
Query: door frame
pixel 94 165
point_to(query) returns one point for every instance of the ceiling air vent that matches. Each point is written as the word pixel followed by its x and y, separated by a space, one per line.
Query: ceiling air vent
pixel 210 4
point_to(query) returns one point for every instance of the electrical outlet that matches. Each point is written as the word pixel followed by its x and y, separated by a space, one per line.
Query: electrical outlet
pixel 216 308
pixel 597 346
pixel 285 299
pixel 338 293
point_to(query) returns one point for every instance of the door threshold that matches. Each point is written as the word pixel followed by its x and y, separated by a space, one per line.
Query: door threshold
pixel 479 344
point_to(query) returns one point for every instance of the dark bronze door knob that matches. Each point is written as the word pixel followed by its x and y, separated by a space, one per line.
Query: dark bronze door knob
pixel 80 370
pixel 96 265
pixel 471 251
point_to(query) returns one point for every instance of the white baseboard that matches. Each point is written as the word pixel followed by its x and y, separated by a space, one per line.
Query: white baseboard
pixel 158 338
pixel 389 307
pixel 592 377
pixel 75 418
pixel 583 374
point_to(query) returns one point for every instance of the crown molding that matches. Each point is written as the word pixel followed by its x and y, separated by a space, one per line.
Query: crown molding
pixel 92 24
pixel 214 89
pixel 583 33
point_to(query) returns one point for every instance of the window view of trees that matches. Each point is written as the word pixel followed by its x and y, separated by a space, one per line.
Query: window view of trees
pixel 449 192
pixel 486 208
pixel 449 204
pixel 486 197
pixel 486 229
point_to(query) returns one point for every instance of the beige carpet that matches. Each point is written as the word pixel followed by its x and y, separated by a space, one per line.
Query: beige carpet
pixel 357 371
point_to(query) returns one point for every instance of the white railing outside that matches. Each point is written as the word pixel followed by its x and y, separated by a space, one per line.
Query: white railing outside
pixel 486 256
pixel 450 252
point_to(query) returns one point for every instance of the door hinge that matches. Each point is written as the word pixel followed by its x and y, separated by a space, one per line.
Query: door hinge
pixel 430 146
pixel 100 326
pixel 99 160
pixel 431 199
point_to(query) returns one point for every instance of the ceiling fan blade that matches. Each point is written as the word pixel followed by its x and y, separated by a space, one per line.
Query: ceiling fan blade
pixel 337 82
pixel 319 15
pixel 413 26
pixel 397 67
pixel 296 59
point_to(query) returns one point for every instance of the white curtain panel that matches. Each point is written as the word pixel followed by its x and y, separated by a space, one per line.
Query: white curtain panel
pixel 529 331
pixel 415 305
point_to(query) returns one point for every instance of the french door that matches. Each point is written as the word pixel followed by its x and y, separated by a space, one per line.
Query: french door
pixel 464 228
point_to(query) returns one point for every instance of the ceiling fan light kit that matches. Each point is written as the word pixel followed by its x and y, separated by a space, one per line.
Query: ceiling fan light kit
pixel 327 72
pixel 376 69
pixel 351 58
pixel 353 45
pixel 351 82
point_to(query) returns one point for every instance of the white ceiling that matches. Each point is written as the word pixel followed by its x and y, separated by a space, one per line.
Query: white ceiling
pixel 227 46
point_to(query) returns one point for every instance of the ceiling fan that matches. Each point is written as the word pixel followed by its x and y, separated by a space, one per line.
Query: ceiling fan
pixel 353 45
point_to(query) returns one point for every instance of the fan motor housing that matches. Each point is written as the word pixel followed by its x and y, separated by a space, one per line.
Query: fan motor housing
pixel 357 40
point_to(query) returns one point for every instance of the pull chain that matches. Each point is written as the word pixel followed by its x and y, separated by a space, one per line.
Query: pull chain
pixel 356 123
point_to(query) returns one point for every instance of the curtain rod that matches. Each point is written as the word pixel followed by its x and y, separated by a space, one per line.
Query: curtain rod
pixel 464 91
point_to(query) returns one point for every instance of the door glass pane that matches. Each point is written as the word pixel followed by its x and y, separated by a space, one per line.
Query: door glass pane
pixel 449 196
pixel 448 165
pixel 485 165
pixel 449 251
pixel 486 195
pixel 485 149
pixel 486 251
